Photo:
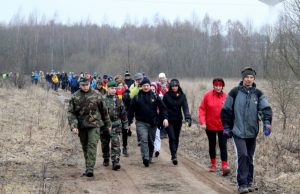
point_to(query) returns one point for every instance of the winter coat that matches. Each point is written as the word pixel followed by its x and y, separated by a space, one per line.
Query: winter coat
pixel 144 107
pixel 175 102
pixel 88 110
pixel 242 108
pixel 210 110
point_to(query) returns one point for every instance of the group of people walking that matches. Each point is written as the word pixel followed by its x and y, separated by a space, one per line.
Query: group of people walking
pixel 107 110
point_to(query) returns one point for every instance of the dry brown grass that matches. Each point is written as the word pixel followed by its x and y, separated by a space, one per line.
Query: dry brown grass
pixel 34 140
pixel 277 161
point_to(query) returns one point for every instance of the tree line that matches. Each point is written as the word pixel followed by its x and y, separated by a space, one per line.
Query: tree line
pixel 192 48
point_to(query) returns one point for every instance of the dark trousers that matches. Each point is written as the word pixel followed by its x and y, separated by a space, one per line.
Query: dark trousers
pixel 212 141
pixel 173 131
pixel 245 149
pixel 124 137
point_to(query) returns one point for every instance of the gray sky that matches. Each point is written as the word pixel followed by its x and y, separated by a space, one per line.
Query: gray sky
pixel 116 12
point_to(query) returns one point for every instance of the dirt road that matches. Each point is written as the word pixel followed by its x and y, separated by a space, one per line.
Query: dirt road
pixel 161 177
pixel 133 178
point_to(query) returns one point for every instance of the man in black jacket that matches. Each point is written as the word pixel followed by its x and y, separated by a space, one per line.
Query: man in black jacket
pixel 145 107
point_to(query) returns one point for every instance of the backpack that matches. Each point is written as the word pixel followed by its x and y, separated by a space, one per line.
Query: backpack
pixel 235 91
pixel 55 79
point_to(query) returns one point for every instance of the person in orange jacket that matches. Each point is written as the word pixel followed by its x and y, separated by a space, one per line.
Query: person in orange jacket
pixel 210 121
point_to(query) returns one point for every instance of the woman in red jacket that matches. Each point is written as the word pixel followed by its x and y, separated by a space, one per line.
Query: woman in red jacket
pixel 210 120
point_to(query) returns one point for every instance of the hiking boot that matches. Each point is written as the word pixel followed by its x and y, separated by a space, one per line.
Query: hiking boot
pixel 116 165
pixel 106 162
pixel 84 174
pixel 251 187
pixel 213 167
pixel 225 171
pixel 125 152
pixel 156 154
pixel 243 189
pixel 225 168
pixel 146 162
pixel 174 161
pixel 89 173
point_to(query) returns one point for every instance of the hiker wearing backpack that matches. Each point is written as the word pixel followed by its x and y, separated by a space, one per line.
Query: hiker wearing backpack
pixel 210 121
pixel 240 116
pixel 88 117
pixel 144 108
pixel 55 81
pixel 118 117
pixel 176 103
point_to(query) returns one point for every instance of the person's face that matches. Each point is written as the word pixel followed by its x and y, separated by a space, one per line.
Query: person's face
pixel 248 80
pixel 174 88
pixel 127 77
pixel 111 90
pixel 218 88
pixel 146 87
pixel 162 79
pixel 99 85
pixel 120 86
pixel 84 87
pixel 153 89
pixel 138 81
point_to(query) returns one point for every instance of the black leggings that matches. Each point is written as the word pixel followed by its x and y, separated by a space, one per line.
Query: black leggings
pixel 212 141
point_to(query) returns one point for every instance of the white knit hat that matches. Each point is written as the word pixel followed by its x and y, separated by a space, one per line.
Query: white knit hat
pixel 162 75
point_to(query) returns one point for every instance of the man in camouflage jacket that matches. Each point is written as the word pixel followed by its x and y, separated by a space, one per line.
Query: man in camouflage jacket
pixel 118 117
pixel 87 113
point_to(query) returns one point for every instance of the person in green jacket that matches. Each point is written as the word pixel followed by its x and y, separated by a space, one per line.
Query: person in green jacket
pixel 87 114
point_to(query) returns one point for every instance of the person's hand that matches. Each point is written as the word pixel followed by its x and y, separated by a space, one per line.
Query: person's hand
pixel 75 131
pixel 267 129
pixel 189 121
pixel 129 132
pixel 227 133
pixel 165 123
pixel 203 127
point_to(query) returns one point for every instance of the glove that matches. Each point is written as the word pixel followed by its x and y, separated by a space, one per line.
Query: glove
pixel 129 132
pixel 227 133
pixel 267 129
pixel 203 127
pixel 189 121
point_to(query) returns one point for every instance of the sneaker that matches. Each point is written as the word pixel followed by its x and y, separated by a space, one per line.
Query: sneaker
pixel 146 162
pixel 212 168
pixel 156 154
pixel 89 173
pixel 243 189
pixel 125 152
pixel 106 162
pixel 174 161
pixel 225 171
pixel 251 187
pixel 116 165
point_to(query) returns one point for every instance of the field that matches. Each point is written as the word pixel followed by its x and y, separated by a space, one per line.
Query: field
pixel 38 154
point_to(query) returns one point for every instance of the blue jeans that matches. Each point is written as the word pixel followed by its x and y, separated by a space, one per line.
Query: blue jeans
pixel 146 136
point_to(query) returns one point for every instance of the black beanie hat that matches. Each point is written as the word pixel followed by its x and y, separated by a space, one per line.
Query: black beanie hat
pixel 145 81
pixel 248 71
pixel 174 82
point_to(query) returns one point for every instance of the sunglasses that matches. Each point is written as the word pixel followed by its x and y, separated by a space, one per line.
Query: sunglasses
pixel 84 84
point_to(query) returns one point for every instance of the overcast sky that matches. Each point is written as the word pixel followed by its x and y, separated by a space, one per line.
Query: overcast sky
pixel 116 12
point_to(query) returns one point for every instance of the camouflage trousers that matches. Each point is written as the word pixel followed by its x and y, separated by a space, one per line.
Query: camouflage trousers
pixel 89 139
pixel 115 137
